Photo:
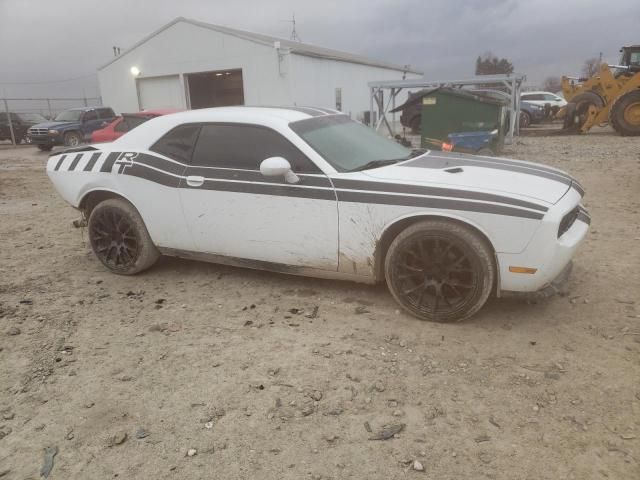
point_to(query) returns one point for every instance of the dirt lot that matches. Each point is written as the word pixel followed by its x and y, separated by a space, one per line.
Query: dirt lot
pixel 198 356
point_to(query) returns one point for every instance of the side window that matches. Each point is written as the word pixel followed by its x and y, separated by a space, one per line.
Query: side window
pixel 178 143
pixel 90 115
pixel 551 98
pixel 105 113
pixel 245 147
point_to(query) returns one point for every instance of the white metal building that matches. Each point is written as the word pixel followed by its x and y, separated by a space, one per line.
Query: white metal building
pixel 189 64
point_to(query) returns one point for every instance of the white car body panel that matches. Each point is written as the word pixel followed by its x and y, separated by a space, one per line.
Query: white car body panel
pixel 553 100
pixel 331 224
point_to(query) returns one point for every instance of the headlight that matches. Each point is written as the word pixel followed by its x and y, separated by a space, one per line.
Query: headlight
pixel 53 132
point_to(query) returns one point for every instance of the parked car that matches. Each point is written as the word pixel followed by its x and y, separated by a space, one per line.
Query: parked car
pixel 21 123
pixel 307 191
pixel 125 123
pixel 530 113
pixel 554 101
pixel 71 127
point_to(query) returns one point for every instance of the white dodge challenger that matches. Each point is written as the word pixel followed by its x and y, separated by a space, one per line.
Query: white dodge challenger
pixel 307 191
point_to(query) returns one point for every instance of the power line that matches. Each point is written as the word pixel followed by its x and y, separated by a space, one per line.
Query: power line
pixel 49 81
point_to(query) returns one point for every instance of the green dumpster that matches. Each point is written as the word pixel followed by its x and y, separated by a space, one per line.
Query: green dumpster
pixel 446 111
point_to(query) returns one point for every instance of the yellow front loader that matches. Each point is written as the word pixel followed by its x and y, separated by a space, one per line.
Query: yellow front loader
pixel 612 95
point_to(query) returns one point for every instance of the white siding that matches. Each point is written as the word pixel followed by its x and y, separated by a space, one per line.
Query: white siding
pixel 314 81
pixel 186 48
pixel 293 80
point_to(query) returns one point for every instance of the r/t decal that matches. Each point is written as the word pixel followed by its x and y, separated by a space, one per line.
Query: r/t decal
pixel 125 160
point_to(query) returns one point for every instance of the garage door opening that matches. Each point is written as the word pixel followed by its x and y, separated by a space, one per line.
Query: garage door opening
pixel 215 89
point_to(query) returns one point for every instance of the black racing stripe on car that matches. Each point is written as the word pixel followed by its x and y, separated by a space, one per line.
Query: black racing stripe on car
pixel 254 176
pixel 74 162
pixel 160 163
pixel 504 161
pixel 280 190
pixel 153 176
pixel 435 203
pixel 434 191
pixel 579 188
pixel 92 161
pixel 584 217
pixel 439 163
pixel 107 165
pixel 59 164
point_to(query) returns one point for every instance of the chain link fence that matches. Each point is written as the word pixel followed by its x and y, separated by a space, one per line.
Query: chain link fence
pixel 18 114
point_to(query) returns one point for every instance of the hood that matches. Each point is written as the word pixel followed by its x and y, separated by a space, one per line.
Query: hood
pixel 516 178
pixel 54 124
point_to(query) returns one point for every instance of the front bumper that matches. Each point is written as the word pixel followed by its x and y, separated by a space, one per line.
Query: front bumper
pixel 45 139
pixel 547 252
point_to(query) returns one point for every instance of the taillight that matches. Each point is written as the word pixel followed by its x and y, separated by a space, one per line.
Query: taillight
pixel 447 147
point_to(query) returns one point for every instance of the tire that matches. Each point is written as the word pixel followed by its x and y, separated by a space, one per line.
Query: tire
pixel 582 102
pixel 120 239
pixel 416 124
pixel 485 152
pixel 525 119
pixel 625 114
pixel 72 139
pixel 45 148
pixel 440 271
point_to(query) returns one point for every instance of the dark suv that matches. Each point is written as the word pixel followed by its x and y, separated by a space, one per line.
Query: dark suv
pixel 21 122
pixel 71 127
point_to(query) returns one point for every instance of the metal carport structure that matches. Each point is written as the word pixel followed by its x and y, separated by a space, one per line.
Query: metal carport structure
pixel 510 84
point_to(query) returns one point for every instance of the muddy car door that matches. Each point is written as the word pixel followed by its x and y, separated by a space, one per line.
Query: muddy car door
pixel 232 209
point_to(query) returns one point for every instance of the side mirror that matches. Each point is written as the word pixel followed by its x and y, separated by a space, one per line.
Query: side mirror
pixel 278 167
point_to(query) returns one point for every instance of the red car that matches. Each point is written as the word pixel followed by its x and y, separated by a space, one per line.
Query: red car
pixel 124 123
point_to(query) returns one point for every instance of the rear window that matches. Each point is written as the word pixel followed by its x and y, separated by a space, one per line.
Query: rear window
pixel 178 143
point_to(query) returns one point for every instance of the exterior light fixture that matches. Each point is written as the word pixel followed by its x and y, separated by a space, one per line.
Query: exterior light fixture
pixel 218 74
pixel 135 71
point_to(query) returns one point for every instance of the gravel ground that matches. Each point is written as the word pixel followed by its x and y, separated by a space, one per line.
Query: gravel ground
pixel 194 370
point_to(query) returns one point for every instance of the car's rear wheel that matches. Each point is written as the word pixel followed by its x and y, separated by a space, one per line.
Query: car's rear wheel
pixel 525 119
pixel 440 271
pixel 72 139
pixel 119 237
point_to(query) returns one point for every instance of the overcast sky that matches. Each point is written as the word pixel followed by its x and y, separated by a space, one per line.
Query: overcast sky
pixel 43 42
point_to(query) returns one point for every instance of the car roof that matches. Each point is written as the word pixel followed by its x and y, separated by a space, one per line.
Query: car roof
pixel 273 117
pixel 83 109
pixel 537 92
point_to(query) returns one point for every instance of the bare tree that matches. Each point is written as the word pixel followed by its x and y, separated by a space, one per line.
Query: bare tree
pixel 590 67
pixel 552 84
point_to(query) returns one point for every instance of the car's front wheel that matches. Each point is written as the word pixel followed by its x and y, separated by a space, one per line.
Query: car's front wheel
pixel 72 139
pixel 119 237
pixel 440 271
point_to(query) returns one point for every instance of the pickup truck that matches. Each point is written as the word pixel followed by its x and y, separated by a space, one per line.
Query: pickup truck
pixel 20 123
pixel 71 127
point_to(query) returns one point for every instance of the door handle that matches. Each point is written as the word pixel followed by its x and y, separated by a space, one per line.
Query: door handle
pixel 195 181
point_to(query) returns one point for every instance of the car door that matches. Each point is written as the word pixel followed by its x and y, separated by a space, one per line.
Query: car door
pixel 233 210
pixel 90 122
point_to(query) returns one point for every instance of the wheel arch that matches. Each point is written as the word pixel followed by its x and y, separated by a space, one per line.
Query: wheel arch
pixel 93 197
pixel 391 231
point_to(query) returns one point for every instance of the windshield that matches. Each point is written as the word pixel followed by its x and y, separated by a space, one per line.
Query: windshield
pixel 32 117
pixel 69 116
pixel 348 145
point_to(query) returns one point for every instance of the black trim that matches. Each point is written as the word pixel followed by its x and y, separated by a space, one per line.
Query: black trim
pixel 434 191
pixel 92 161
pixel 153 176
pixel 59 164
pixel 74 162
pixel 443 203
pixel 107 165
pixel 440 162
pixel 160 163
pixel 579 188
